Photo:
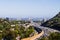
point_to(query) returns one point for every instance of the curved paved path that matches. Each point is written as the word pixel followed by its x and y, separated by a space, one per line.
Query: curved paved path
pixel 34 37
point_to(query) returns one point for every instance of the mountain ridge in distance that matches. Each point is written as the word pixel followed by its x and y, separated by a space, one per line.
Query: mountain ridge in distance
pixel 53 22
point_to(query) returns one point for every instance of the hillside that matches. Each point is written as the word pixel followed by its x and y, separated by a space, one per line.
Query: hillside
pixel 53 22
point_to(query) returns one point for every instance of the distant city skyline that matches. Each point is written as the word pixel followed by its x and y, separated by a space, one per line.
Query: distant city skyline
pixel 29 8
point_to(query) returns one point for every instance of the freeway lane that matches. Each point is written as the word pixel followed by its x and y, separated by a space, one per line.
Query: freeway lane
pixel 39 35
pixel 46 30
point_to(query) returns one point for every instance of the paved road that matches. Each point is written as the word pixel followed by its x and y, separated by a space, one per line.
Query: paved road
pixel 46 30
pixel 40 34
pixel 34 37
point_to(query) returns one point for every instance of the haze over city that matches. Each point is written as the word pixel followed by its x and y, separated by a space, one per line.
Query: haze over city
pixel 29 19
pixel 29 8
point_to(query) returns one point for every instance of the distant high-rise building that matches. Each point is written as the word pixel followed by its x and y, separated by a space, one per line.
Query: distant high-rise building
pixel 7 18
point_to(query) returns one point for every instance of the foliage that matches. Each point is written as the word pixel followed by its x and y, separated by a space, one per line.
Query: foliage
pixel 0 36
pixel 1 27
pixel 52 36
pixel 10 33
pixel 53 22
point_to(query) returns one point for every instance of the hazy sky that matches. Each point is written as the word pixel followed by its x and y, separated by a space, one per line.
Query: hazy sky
pixel 29 8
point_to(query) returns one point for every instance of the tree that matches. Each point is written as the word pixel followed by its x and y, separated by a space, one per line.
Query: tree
pixel 0 36
pixel 1 27
pixel 52 36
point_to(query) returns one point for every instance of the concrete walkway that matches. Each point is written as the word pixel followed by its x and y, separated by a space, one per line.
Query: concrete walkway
pixel 34 37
